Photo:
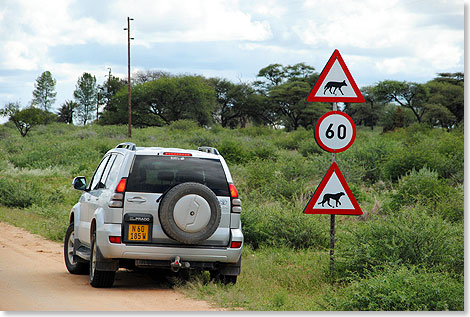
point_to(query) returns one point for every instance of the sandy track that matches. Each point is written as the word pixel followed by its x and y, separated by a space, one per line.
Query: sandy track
pixel 33 277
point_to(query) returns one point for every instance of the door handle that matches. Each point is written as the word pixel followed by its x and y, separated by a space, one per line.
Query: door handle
pixel 136 200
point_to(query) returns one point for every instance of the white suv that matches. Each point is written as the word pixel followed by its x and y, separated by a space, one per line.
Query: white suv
pixel 153 207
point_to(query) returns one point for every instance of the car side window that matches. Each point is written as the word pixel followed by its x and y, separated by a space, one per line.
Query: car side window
pixel 114 172
pixel 95 182
pixel 106 170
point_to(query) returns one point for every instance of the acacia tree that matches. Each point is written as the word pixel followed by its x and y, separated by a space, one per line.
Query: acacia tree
pixel 24 119
pixel 44 92
pixel 410 95
pixel 85 95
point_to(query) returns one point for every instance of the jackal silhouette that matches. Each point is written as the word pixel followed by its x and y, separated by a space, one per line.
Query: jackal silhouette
pixel 335 85
pixel 327 197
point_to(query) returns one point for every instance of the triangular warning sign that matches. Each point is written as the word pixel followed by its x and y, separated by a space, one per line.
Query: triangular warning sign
pixel 335 83
pixel 333 196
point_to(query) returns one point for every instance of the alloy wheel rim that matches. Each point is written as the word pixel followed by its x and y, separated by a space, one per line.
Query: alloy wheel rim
pixel 70 248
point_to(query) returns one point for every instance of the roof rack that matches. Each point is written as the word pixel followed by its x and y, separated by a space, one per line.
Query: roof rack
pixel 126 145
pixel 208 149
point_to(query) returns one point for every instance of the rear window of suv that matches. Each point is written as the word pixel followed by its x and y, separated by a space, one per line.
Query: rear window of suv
pixel 156 174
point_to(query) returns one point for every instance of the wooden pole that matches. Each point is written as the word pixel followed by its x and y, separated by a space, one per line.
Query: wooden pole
pixel 129 75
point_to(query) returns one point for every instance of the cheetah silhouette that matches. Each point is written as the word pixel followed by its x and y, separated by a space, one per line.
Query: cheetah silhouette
pixel 336 85
pixel 327 197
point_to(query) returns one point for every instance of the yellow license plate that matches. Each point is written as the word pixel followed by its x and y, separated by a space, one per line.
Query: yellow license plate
pixel 138 232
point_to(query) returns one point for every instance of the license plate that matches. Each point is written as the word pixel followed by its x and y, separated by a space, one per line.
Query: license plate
pixel 138 232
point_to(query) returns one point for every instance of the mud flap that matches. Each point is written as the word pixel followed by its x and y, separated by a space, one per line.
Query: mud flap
pixel 103 264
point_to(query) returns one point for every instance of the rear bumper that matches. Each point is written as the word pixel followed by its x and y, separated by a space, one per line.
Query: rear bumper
pixel 160 252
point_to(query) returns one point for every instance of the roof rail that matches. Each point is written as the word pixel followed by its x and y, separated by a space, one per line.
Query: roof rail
pixel 126 145
pixel 208 149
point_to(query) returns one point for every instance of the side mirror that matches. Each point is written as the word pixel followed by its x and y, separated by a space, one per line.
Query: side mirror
pixel 79 183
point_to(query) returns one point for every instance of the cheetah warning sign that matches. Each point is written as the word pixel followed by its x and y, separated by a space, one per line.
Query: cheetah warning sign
pixel 335 83
pixel 333 196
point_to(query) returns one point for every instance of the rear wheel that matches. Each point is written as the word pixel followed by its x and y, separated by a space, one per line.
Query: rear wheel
pixel 73 266
pixel 99 278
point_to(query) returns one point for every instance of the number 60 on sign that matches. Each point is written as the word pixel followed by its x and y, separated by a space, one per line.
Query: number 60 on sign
pixel 335 131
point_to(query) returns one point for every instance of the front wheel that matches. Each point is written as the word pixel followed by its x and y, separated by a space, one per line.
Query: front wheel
pixel 72 265
pixel 99 278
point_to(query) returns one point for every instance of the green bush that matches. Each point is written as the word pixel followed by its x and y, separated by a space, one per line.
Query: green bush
pixel 411 237
pixel 183 125
pixel 233 151
pixel 19 193
pixel 401 289
pixel 425 187
pixel 437 150
pixel 293 139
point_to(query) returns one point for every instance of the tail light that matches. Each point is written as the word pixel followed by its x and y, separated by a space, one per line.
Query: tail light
pixel 115 239
pixel 236 202
pixel 233 191
pixel 117 199
pixel 236 244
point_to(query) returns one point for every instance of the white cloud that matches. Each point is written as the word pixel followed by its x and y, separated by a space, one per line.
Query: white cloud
pixel 191 21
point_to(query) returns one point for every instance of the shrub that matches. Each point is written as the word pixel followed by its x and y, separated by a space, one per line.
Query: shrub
pixel 410 237
pixel 183 125
pixel 18 193
pixel 401 289
pixel 232 151
pixel 426 188
pixel 423 186
pixel 437 150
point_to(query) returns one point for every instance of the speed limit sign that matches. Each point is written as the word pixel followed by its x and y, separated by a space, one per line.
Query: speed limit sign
pixel 335 131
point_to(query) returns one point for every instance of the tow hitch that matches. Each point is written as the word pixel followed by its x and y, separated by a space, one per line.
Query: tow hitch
pixel 176 264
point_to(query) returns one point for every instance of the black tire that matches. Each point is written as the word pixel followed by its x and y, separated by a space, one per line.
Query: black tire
pixel 167 209
pixel 74 267
pixel 99 279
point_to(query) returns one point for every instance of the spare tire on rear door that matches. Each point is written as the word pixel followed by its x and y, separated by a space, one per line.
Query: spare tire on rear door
pixel 189 213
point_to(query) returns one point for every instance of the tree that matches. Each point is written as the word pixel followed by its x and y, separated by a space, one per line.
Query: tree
pixel 410 95
pixel 44 92
pixel 65 113
pixel 24 119
pixel 236 104
pixel 447 90
pixel 86 96
pixel 163 101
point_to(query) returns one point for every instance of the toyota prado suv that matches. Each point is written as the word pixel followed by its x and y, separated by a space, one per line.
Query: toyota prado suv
pixel 152 207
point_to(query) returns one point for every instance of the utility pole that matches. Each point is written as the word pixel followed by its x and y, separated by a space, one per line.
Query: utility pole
pixel 129 38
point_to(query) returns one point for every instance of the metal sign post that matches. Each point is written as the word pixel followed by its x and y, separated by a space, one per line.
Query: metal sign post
pixel 332 219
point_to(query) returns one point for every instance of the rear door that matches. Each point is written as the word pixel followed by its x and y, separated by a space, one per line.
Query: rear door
pixel 153 175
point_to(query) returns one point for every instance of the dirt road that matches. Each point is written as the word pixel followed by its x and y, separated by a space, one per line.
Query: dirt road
pixel 33 277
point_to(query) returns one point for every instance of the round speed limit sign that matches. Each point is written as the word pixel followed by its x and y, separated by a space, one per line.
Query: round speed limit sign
pixel 335 131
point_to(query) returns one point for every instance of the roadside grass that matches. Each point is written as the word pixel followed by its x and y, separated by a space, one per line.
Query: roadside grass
pixel 272 279
pixel 50 223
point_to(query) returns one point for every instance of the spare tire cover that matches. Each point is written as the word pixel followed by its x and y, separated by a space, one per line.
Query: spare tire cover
pixel 189 213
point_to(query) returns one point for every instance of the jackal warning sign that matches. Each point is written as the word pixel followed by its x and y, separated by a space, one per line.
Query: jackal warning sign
pixel 335 83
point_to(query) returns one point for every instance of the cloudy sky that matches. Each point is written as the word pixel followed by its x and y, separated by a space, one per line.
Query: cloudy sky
pixel 408 40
